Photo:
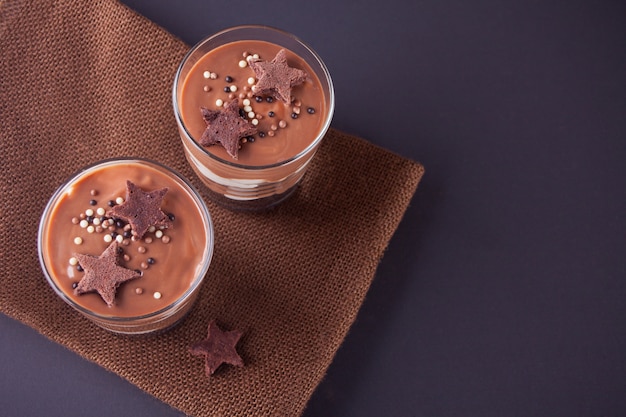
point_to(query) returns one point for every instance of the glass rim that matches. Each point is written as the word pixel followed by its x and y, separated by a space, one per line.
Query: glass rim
pixel 319 61
pixel 172 307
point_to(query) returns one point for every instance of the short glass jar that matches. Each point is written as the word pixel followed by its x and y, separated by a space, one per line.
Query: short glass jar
pixel 268 170
pixel 172 262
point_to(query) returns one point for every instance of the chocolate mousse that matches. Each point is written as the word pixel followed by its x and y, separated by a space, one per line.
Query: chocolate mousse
pixel 276 84
pixel 125 239
pixel 276 91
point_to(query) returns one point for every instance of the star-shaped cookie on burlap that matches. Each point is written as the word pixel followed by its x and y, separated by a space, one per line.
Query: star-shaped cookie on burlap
pixel 103 274
pixel 218 348
pixel 226 126
pixel 141 209
pixel 275 77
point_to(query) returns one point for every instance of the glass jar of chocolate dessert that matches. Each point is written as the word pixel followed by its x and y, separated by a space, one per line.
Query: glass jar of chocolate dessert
pixel 127 242
pixel 252 104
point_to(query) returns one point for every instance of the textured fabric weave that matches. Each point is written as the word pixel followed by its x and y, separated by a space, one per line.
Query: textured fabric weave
pixel 85 80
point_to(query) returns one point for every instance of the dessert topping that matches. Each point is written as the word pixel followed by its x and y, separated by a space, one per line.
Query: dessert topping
pixel 226 127
pixel 141 209
pixel 103 274
pixel 276 78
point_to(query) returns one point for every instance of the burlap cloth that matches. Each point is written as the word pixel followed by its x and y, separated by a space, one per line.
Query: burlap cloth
pixel 85 80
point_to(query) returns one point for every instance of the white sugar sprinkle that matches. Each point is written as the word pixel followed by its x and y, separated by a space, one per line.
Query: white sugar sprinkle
pixel 90 229
pixel 206 74
pixel 159 234
pixel 119 200
pixel 219 102
pixel 251 80
pixel 243 63
pixel 89 212
pixel 78 240
pixel 73 261
pixel 83 223
pixel 246 102
pixel 108 238
pixel 100 211
pixel 233 88
pixel 157 295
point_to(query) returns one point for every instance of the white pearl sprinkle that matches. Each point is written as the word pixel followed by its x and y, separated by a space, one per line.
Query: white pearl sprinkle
pixel 157 295
pixel 219 102
pixel 255 56
pixel 108 238
pixel 78 240
pixel 251 115
pixel 96 221
pixel 243 63
pixel 119 200
pixel 233 88
pixel 213 76
pixel 246 102
pixel 100 211
pixel 73 261
pixel 119 238
pixel 255 122
pixel 90 229
pixel 247 108
pixel 159 234
pixel 151 229
pixel 251 80
pixel 83 223
pixel 206 74
pixel 89 212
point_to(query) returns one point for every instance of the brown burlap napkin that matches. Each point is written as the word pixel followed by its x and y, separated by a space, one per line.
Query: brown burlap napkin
pixel 85 80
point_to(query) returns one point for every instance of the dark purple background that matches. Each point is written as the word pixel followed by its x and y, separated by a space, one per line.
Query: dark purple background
pixel 503 293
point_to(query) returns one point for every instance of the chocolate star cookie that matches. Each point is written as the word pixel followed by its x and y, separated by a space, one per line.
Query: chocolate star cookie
pixel 103 274
pixel 218 348
pixel 226 127
pixel 141 209
pixel 275 77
